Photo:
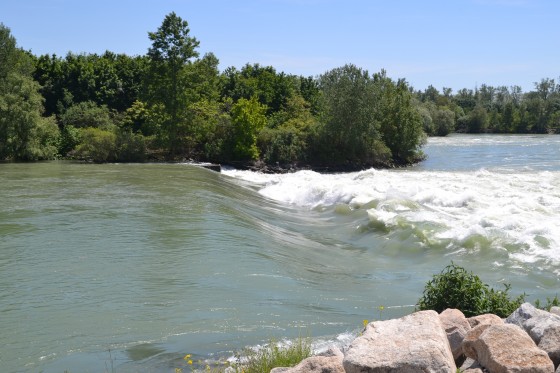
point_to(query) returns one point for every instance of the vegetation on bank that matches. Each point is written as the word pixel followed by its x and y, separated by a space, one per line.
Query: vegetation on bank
pixel 173 103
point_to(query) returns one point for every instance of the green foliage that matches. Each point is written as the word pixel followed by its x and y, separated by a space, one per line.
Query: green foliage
pixel 455 287
pixel 69 139
pixel 477 120
pixel 97 145
pixel 349 99
pixel 550 302
pixel 286 139
pixel 248 118
pixel 400 123
pixel 271 89
pixel 170 79
pixel 273 355
pixel 131 147
pixel 24 134
pixel 87 114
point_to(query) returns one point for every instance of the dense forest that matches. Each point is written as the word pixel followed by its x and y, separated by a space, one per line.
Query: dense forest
pixel 173 104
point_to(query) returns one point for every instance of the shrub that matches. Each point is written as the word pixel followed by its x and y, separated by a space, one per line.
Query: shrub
pixel 455 287
pixel 97 145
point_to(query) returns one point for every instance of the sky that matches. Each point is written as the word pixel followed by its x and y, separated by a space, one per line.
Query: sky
pixel 445 43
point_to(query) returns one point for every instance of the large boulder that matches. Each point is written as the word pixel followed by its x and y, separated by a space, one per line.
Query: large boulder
pixel 470 339
pixel 330 362
pixel 550 343
pixel 456 326
pixel 487 318
pixel 533 320
pixel 507 348
pixel 413 343
pixel 555 310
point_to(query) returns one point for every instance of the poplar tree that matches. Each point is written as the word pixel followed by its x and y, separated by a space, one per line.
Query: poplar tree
pixel 169 85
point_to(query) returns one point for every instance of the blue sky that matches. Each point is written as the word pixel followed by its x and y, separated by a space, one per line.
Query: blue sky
pixel 451 43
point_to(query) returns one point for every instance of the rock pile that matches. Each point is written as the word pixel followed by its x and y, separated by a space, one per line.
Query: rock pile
pixel 528 341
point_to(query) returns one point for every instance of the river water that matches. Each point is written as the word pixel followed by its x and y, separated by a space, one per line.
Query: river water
pixel 128 267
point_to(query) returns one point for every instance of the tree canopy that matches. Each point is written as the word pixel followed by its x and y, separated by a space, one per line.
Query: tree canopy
pixel 173 104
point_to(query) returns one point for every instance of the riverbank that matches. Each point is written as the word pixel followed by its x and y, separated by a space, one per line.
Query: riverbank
pixel 526 341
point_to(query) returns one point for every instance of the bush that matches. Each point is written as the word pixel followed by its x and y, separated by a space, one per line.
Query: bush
pixel 87 114
pixel 455 287
pixel 97 145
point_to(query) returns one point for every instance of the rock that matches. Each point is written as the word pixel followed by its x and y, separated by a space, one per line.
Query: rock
pixel 413 343
pixel 328 362
pixel 487 318
pixel 536 326
pixel 533 320
pixel 471 366
pixel 456 326
pixel 525 312
pixel 550 343
pixel 507 348
pixel 471 337
pixel 555 310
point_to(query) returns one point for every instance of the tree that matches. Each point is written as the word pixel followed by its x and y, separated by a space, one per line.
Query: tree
pixel 400 122
pixel 24 133
pixel 348 117
pixel 169 86
pixel 248 117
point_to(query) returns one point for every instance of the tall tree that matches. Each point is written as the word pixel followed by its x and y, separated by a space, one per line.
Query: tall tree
pixel 24 133
pixel 171 52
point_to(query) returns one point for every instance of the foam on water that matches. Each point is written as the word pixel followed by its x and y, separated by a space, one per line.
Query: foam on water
pixel 513 212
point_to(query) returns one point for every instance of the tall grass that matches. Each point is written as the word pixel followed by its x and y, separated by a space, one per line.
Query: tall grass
pixel 275 355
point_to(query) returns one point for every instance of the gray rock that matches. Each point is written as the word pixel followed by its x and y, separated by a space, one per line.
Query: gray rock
pixel 533 320
pixel 456 326
pixel 536 326
pixel 413 343
pixel 507 348
pixel 525 312
pixel 550 343
pixel 555 310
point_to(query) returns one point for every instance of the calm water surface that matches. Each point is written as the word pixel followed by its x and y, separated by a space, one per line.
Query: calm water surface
pixel 130 267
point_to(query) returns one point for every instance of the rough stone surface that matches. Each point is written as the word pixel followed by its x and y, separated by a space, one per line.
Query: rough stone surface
pixel 471 366
pixel 414 343
pixel 471 337
pixel 550 343
pixel 536 326
pixel 328 362
pixel 456 326
pixel 487 318
pixel 507 348
pixel 525 312
pixel 555 310
pixel 533 320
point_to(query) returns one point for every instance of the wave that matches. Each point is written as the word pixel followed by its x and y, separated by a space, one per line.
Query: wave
pixel 512 213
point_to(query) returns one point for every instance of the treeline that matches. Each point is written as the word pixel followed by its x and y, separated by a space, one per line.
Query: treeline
pixel 173 104
pixel 491 109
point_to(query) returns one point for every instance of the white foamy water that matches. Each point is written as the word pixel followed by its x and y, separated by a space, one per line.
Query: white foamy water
pixel 511 212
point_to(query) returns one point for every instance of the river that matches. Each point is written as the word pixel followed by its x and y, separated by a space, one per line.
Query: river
pixel 128 267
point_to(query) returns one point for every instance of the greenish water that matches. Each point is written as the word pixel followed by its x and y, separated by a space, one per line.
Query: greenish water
pixel 132 266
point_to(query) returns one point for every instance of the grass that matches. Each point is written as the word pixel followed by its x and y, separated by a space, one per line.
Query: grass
pixel 275 355
pixel 259 360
